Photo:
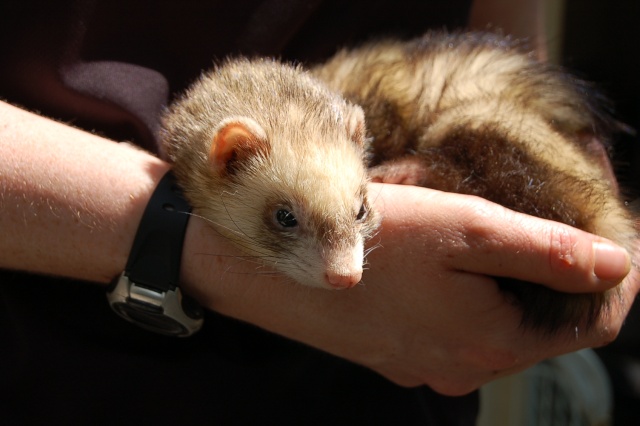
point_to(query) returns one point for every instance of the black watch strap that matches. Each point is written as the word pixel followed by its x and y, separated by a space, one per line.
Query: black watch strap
pixel 147 293
pixel 155 257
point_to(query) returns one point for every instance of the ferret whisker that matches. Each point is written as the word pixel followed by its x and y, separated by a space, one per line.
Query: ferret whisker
pixel 375 197
pixel 370 249
pixel 234 256
pixel 215 225
pixel 259 263
pixel 238 228
pixel 216 228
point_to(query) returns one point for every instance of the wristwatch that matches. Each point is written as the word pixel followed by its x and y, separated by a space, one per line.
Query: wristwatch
pixel 147 293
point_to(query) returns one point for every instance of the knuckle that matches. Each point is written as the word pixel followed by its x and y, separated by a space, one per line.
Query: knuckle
pixel 562 249
pixel 479 224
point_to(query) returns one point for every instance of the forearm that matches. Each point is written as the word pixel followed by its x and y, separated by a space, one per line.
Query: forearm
pixel 70 201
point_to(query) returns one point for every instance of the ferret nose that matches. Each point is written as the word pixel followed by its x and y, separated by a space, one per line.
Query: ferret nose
pixel 343 281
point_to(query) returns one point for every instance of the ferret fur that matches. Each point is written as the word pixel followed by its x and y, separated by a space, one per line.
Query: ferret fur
pixel 472 113
pixel 275 162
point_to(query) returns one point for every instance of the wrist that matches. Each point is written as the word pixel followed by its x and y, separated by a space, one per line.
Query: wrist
pixel 221 278
pixel 148 292
pixel 205 269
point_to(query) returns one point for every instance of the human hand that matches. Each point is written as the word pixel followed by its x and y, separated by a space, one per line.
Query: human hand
pixel 427 312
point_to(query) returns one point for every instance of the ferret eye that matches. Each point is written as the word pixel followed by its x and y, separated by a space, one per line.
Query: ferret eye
pixel 286 219
pixel 362 213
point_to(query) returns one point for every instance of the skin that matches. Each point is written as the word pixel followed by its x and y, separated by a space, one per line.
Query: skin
pixel 70 204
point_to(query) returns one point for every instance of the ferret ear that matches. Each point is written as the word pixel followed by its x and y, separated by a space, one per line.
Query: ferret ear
pixel 236 140
pixel 355 125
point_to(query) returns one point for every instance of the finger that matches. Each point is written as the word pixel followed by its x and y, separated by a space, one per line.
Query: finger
pixel 474 235
pixel 508 244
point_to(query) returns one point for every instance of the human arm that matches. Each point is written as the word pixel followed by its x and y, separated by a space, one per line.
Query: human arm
pixel 71 203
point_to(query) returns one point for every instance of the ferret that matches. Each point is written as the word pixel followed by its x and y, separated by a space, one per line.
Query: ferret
pixel 275 162
pixel 474 113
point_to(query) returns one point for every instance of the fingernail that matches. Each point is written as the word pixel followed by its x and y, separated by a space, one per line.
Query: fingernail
pixel 612 263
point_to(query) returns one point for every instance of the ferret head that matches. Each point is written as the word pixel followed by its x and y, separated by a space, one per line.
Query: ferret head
pixel 280 172
pixel 299 203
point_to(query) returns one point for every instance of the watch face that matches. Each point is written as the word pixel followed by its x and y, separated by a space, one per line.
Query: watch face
pixel 164 312
pixel 150 319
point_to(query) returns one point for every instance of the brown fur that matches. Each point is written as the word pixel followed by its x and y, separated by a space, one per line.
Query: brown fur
pixel 274 161
pixel 472 113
